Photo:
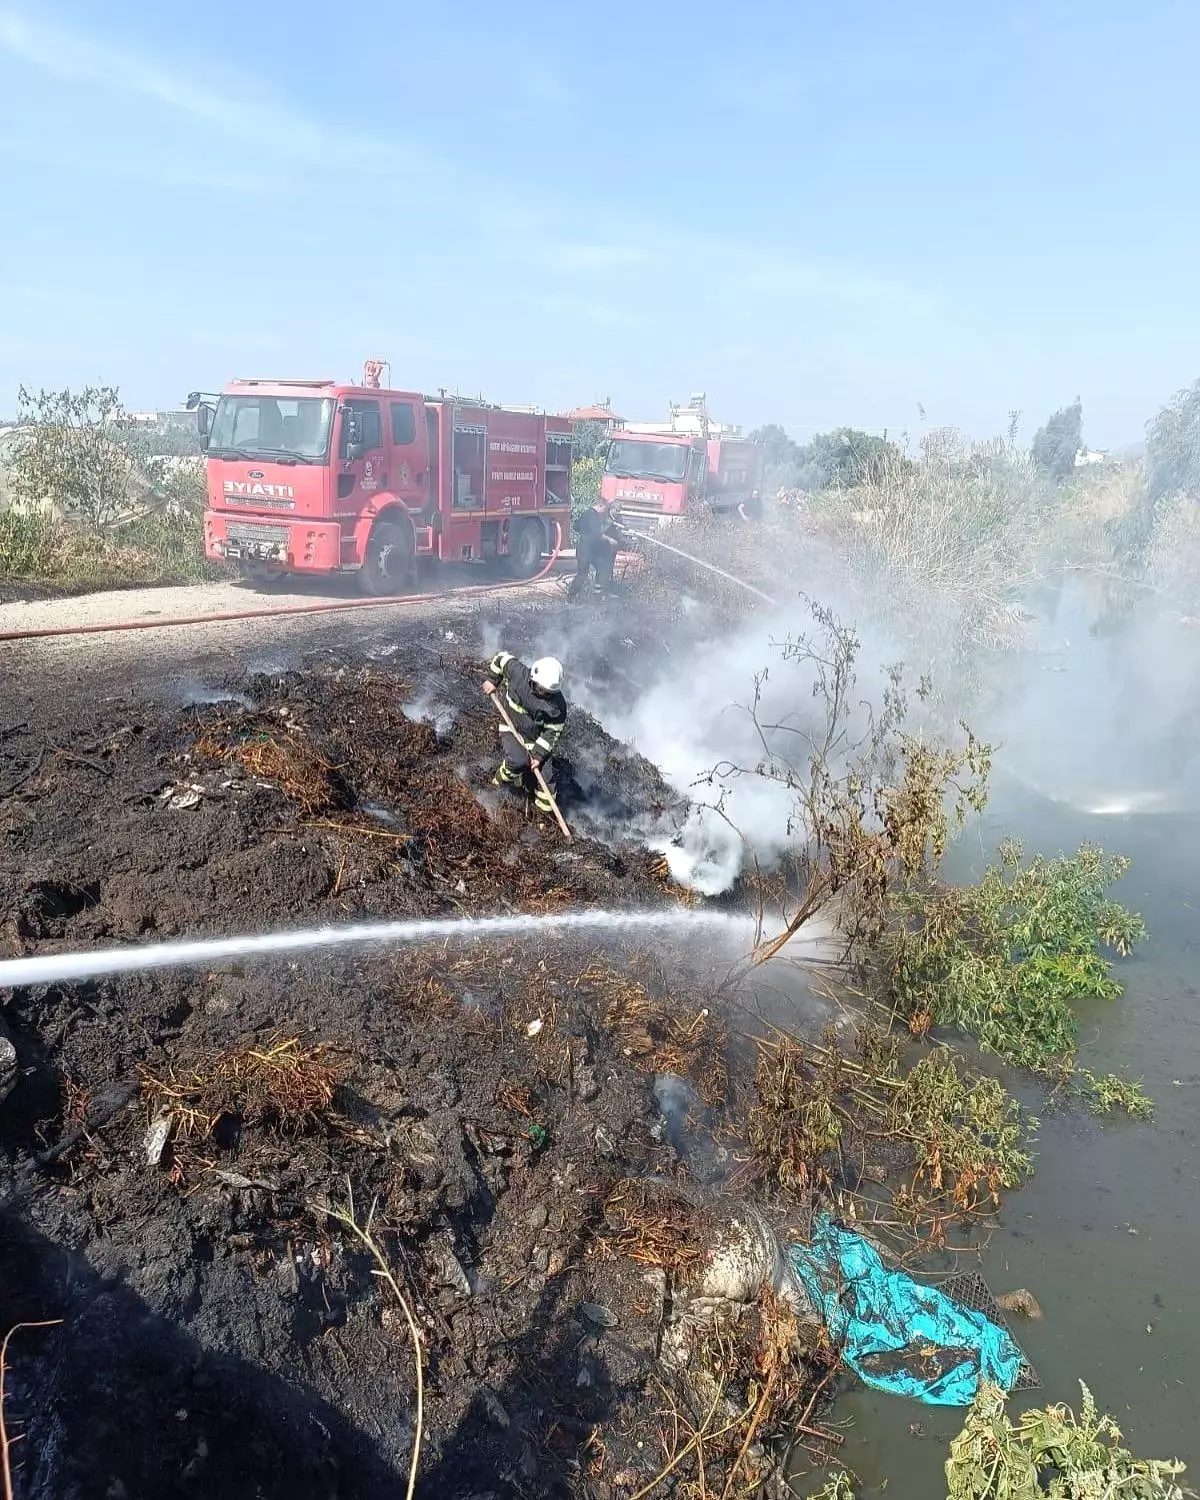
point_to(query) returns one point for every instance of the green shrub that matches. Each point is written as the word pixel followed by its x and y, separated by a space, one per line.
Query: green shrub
pixel 28 542
pixel 1003 960
pixel 1051 1452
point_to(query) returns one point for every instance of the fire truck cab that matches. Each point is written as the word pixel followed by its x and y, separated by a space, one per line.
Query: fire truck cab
pixel 656 477
pixel 310 476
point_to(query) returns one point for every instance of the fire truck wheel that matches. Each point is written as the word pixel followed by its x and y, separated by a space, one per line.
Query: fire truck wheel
pixel 388 565
pixel 525 549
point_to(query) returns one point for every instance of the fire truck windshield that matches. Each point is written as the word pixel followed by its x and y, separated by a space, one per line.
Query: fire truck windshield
pixel 283 428
pixel 633 460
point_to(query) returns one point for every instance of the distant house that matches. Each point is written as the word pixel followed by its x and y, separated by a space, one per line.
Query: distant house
pixel 690 420
pixel 1092 458
pixel 601 412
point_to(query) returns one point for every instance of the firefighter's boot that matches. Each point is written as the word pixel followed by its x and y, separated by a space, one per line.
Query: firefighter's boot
pixel 507 778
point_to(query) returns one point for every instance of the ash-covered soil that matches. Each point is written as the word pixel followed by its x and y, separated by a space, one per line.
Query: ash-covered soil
pixel 179 1144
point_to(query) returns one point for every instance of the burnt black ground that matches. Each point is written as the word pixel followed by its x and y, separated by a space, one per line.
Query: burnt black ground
pixel 220 1336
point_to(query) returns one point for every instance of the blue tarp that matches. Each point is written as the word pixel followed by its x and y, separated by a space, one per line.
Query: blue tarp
pixel 898 1335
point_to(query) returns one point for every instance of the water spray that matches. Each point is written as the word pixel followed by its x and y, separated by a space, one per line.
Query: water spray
pixel 53 968
pixel 709 567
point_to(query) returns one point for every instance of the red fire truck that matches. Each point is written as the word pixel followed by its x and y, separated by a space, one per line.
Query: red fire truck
pixel 309 476
pixel 654 477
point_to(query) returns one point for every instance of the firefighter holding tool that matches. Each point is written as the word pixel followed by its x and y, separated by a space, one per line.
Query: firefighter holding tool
pixel 532 699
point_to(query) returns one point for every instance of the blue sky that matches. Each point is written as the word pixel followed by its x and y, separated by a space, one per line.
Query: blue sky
pixel 819 214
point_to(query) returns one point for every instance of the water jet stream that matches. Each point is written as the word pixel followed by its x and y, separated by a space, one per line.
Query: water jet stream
pixel 55 967
pixel 711 567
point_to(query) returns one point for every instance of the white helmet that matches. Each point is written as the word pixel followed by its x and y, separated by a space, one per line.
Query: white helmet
pixel 547 674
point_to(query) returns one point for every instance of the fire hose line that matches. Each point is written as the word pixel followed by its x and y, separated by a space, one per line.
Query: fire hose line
pixel 708 567
pixel 328 607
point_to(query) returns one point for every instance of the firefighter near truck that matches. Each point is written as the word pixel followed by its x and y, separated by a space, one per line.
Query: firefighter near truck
pixel 316 477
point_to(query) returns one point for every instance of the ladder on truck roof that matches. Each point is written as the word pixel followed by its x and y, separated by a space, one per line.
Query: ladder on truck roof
pixel 300 384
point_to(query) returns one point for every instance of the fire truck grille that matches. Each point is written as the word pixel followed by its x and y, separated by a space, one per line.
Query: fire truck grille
pixel 253 531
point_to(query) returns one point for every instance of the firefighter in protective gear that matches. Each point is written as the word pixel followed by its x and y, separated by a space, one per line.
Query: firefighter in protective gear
pixel 532 697
pixel 598 537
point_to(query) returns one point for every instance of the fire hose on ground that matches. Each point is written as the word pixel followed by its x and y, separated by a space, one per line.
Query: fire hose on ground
pixel 325 607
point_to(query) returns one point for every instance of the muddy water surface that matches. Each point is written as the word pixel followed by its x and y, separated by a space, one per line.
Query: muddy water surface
pixel 1108 1233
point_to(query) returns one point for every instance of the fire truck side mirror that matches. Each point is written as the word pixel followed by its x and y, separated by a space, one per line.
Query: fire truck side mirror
pixel 204 416
pixel 352 436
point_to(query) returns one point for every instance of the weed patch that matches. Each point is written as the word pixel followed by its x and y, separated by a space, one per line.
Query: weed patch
pixel 1005 959
pixel 1050 1451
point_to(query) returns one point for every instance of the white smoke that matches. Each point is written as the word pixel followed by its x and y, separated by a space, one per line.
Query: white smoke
pixel 426 709
pixel 724 722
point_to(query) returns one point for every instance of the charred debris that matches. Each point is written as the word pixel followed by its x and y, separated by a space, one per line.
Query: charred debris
pixel 257 1201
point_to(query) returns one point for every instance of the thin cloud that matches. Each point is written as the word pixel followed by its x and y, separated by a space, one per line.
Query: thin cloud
pixel 793 280
pixel 75 57
pixel 573 259
pixel 577 309
pixel 100 160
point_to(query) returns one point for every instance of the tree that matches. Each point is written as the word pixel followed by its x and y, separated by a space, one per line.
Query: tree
pixel 586 474
pixel 1173 446
pixel 847 457
pixel 587 437
pixel 779 451
pixel 1055 445
pixel 81 452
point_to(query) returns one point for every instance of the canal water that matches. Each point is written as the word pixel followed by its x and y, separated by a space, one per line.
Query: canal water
pixel 1098 745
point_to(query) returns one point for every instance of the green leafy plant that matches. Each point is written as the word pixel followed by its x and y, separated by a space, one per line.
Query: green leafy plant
pixel 969 1135
pixel 1004 959
pixel 839 1486
pixel 1105 1093
pixel 28 541
pixel 586 474
pixel 1056 443
pixel 79 451
pixel 1051 1452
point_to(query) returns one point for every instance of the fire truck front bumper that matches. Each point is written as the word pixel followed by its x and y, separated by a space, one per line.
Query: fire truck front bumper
pixel 643 518
pixel 298 546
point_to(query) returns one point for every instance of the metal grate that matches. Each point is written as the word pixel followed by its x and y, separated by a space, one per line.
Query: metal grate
pixel 971 1291
pixel 257 531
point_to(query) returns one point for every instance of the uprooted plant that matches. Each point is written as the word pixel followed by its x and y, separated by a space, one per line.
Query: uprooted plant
pixel 1004 959
pixel 824 1121
pixel 874 806
pixel 874 803
pixel 1051 1452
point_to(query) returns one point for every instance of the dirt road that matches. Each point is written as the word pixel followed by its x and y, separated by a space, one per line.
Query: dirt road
pixel 160 648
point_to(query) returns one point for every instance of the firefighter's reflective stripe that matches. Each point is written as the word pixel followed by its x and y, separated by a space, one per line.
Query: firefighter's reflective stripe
pixel 514 731
pixel 542 802
pixel 499 663
pixel 549 737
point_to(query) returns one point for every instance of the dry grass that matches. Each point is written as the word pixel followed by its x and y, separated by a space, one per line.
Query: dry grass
pixel 760 1351
pixel 287 762
pixel 275 1084
pixel 653 1226
pixel 655 1038
pixel 793 1128
pixel 965 525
